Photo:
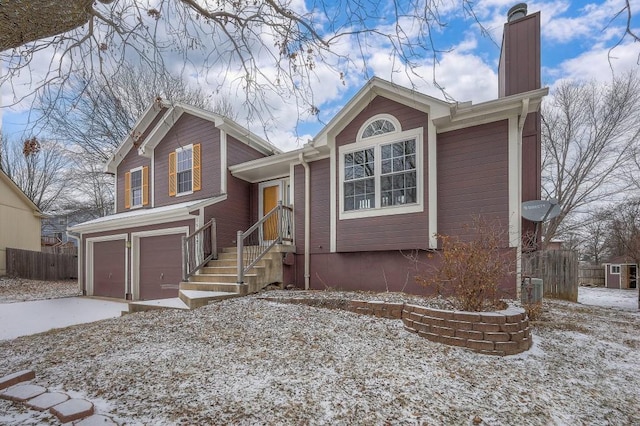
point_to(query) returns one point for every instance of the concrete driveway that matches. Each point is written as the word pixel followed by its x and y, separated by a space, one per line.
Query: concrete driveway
pixel 25 318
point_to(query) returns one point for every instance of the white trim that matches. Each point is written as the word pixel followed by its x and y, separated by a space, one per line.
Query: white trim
pixel 432 184
pixel 152 178
pixel 144 217
pixel 292 197
pixel 89 269
pixel 268 184
pixel 615 266
pixel 333 222
pixel 131 205
pixel 115 192
pixel 514 183
pixel 376 143
pixel 135 253
pixel 384 116
pixel 180 149
pixel 223 161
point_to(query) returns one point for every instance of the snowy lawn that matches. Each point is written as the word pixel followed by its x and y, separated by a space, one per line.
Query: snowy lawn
pixel 248 361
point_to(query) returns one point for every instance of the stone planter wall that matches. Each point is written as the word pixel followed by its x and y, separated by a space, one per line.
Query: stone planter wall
pixel 493 333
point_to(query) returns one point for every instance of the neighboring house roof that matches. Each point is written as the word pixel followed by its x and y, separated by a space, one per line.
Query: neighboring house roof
pixel 27 201
pixel 141 217
pixel 159 118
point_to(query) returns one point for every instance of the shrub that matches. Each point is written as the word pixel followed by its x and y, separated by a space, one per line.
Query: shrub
pixel 471 270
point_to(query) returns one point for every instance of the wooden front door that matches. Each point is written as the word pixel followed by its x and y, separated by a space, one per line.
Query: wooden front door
pixel 269 201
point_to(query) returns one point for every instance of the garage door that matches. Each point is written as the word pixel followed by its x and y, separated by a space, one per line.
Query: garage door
pixel 160 266
pixel 109 269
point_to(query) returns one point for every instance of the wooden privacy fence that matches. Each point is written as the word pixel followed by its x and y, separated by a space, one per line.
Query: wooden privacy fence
pixel 558 270
pixel 591 275
pixel 36 265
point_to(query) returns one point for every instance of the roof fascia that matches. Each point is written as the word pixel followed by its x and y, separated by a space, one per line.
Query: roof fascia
pixel 150 218
pixel 139 128
pixel 234 129
pixel 465 115
pixel 379 87
pixel 229 126
pixel 261 169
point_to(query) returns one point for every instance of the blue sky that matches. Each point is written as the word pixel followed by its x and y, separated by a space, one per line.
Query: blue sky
pixel 576 40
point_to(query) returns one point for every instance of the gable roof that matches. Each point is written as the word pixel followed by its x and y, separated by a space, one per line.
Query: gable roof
pixel 12 185
pixel 159 118
pixel 379 87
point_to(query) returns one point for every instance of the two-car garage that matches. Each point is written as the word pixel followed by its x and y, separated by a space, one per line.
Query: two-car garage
pixel 138 265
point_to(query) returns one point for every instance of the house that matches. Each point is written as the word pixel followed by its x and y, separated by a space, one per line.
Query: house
pixel 55 224
pixel 351 209
pixel 19 220
pixel 621 272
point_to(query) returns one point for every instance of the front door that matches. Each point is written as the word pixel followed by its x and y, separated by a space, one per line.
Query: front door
pixel 270 195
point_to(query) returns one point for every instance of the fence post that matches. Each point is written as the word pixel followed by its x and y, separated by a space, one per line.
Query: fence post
pixel 240 258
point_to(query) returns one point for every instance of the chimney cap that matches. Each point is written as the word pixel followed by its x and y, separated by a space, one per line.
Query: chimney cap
pixel 516 12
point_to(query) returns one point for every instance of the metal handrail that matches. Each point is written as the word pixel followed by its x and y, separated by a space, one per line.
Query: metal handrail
pixel 198 249
pixel 274 228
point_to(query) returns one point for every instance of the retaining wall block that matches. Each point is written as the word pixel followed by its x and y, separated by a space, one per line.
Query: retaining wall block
pixel 511 327
pixel 466 316
pixel 443 331
pixel 480 345
pixel 459 325
pixel 509 348
pixel 493 318
pixel 497 337
pixel 469 334
pixel 481 326
pixel 440 313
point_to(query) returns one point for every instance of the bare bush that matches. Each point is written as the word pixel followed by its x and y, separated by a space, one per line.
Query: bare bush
pixel 472 270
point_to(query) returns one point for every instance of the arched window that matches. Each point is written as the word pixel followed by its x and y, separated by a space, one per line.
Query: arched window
pixel 379 125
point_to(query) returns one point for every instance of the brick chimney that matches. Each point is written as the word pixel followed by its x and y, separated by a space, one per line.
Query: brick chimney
pixel 519 69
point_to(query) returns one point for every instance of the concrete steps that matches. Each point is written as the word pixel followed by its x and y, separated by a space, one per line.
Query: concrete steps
pixel 218 280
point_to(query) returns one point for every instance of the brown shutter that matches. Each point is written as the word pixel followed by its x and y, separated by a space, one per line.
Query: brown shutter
pixel 145 186
pixel 172 174
pixel 127 190
pixel 197 175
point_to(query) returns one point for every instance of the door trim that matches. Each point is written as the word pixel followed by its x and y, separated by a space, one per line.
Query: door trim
pixel 135 253
pixel 89 242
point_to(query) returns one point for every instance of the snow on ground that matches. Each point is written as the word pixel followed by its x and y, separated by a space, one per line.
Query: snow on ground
pixel 609 297
pixel 20 290
pixel 249 361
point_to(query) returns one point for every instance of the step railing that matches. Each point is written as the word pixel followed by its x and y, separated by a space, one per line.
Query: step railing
pixel 198 249
pixel 274 228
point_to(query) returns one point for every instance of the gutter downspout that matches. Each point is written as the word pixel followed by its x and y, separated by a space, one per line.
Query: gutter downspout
pixel 78 238
pixel 307 219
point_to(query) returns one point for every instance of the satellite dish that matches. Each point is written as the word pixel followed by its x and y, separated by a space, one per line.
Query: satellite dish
pixel 540 210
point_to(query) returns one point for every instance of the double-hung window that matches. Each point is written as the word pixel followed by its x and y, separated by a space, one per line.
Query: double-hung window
pixel 185 175
pixel 183 169
pixel 381 173
pixel 136 188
